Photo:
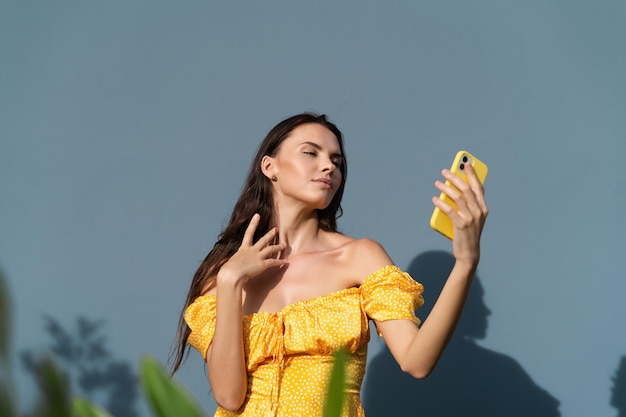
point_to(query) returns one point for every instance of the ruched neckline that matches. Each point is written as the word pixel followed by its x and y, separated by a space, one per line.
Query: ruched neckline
pixel 289 352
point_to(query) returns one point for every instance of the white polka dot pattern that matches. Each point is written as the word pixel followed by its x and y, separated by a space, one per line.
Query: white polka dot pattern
pixel 289 353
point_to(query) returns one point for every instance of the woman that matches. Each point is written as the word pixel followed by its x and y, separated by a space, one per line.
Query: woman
pixel 282 290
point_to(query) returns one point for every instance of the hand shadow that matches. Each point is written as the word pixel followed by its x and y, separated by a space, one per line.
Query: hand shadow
pixel 469 380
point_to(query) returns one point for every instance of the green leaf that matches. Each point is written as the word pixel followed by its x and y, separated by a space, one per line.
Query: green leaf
pixel 6 403
pixel 166 397
pixel 336 386
pixel 7 408
pixel 83 408
pixel 54 400
pixel 5 322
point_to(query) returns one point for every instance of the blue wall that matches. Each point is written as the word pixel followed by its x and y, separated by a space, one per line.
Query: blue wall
pixel 126 129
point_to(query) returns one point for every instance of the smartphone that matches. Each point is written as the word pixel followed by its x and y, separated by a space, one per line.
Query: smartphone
pixel 440 220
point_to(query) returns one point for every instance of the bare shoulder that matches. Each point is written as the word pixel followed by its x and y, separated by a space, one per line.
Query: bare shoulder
pixel 364 257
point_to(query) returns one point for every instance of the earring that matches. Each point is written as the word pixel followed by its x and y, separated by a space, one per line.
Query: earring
pixel 274 178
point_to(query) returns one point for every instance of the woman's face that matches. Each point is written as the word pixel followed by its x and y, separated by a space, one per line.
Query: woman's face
pixel 306 166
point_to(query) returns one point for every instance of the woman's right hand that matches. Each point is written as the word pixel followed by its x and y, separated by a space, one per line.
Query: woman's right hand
pixel 251 258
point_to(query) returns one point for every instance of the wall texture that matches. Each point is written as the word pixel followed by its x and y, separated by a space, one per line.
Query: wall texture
pixel 126 129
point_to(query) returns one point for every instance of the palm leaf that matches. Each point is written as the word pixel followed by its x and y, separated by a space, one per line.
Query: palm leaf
pixel 83 408
pixel 336 392
pixel 166 398
pixel 55 397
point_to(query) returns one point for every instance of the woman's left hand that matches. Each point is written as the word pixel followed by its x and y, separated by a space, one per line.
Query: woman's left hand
pixel 469 219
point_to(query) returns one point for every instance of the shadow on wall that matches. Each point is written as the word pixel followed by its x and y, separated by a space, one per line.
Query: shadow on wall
pixel 469 380
pixel 618 397
pixel 91 369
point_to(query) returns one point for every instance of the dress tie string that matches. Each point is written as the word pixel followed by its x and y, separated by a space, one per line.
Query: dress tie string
pixel 278 360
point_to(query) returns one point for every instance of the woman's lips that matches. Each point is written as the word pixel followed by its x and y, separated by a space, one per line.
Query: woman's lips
pixel 325 182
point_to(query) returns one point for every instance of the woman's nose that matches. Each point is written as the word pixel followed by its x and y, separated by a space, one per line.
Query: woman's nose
pixel 329 166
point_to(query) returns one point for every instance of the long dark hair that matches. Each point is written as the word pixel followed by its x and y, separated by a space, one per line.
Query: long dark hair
pixel 256 197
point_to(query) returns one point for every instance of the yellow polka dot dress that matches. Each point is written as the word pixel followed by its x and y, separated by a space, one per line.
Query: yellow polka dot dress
pixel 290 353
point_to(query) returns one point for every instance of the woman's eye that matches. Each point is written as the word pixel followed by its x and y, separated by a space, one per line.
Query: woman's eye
pixel 309 153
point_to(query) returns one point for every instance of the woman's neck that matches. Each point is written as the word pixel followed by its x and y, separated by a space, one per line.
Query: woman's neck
pixel 299 230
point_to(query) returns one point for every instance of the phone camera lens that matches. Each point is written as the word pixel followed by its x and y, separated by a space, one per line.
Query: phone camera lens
pixel 464 158
pixel 462 166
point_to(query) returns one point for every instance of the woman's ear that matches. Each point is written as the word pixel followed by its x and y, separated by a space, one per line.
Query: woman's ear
pixel 268 167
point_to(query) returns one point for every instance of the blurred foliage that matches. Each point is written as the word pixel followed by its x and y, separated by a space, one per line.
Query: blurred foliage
pixel 5 319
pixel 54 399
pixel 336 392
pixel 6 394
pixel 81 351
pixel 83 408
pixel 165 396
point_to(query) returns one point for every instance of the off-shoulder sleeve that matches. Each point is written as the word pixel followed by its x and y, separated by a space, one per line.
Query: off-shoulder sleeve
pixel 391 294
pixel 200 317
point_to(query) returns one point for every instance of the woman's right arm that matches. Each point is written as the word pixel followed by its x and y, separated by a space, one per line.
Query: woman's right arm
pixel 225 358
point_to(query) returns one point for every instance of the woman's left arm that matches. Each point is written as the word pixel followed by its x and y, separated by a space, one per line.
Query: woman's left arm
pixel 418 350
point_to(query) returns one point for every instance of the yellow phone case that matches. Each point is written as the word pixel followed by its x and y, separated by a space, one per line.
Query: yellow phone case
pixel 440 220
